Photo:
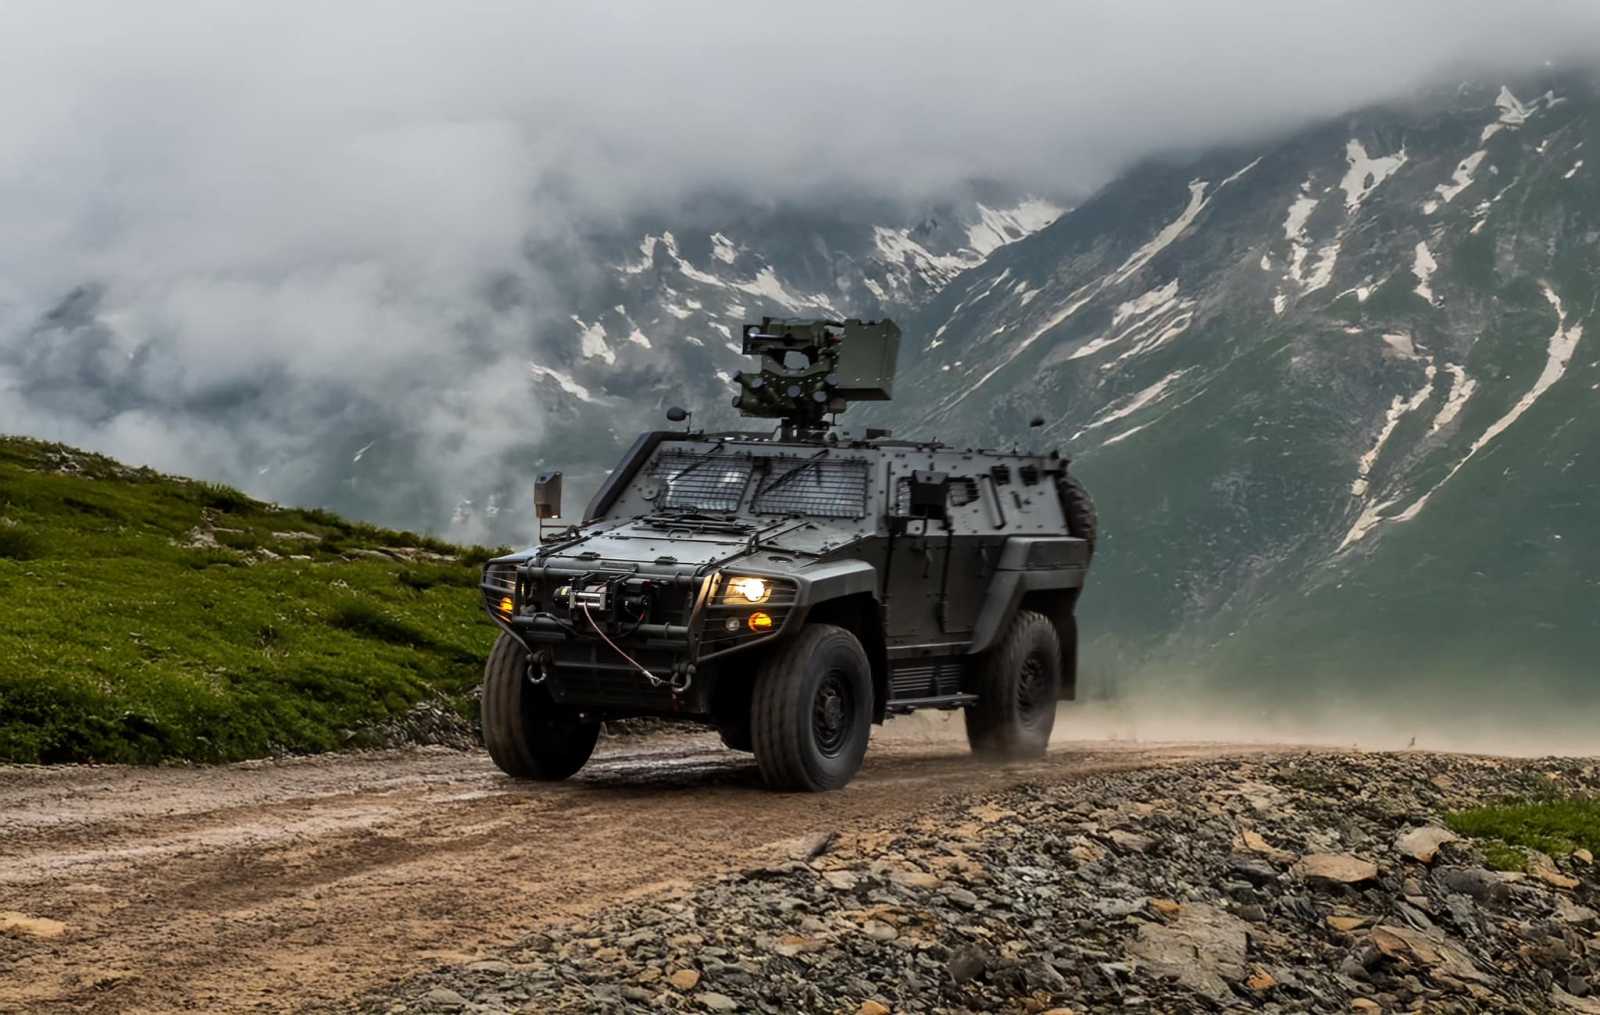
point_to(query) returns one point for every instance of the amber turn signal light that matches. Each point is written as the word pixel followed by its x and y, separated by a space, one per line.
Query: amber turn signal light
pixel 760 621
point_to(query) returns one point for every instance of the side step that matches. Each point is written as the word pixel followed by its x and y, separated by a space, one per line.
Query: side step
pixel 905 706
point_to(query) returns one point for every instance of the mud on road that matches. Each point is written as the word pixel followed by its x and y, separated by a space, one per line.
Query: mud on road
pixel 293 885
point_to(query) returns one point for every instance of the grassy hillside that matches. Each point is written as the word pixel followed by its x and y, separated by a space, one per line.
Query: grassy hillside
pixel 144 617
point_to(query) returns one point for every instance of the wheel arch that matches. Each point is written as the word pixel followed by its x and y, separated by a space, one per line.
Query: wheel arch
pixel 858 613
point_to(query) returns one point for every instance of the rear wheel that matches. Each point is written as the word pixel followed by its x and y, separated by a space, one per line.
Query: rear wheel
pixel 527 734
pixel 1017 687
pixel 811 710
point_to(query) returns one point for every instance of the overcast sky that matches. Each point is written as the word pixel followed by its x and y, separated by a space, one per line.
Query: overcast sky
pixel 315 191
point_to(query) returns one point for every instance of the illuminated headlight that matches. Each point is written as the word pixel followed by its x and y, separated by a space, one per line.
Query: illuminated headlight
pixel 748 590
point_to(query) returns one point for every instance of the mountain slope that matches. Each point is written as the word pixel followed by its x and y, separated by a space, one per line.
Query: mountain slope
pixel 1333 392
pixel 147 617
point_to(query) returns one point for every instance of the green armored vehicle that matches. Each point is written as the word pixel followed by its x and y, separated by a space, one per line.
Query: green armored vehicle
pixel 791 587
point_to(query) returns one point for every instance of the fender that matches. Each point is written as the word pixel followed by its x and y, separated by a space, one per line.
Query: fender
pixel 1027 564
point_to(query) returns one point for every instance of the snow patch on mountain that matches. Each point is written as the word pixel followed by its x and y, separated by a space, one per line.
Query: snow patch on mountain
pixel 1569 174
pixel 1133 403
pixel 564 381
pixel 723 249
pixel 1460 180
pixel 1366 173
pixel 1513 114
pixel 1423 266
pixel 1163 239
pixel 1152 308
pixel 1398 410
pixel 1558 354
pixel 997 227
pixel 1461 389
pixel 592 341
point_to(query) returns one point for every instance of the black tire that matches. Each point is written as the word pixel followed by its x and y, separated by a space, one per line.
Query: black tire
pixel 1017 684
pixel 528 735
pixel 811 710
pixel 1082 521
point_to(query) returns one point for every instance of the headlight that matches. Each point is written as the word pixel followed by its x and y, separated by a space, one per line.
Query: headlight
pixel 749 590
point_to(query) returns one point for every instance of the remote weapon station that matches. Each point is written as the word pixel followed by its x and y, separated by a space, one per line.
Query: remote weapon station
pixel 792 587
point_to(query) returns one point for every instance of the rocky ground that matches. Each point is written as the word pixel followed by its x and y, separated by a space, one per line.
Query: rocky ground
pixel 1309 882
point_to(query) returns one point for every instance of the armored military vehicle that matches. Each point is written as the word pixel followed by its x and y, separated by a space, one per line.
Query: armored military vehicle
pixel 795 585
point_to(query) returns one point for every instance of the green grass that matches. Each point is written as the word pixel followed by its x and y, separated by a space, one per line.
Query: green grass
pixel 1556 826
pixel 125 636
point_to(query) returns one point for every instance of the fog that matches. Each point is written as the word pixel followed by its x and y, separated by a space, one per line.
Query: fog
pixel 288 215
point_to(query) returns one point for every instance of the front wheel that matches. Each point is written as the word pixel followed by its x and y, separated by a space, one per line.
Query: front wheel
pixel 528 735
pixel 1017 685
pixel 811 710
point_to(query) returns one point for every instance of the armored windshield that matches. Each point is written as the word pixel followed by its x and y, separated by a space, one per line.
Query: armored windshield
pixel 717 480
pixel 701 481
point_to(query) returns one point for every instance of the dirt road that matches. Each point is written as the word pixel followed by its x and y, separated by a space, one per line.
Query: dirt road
pixel 301 884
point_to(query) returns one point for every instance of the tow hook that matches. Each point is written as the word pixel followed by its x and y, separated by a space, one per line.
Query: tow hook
pixel 682 678
pixel 539 667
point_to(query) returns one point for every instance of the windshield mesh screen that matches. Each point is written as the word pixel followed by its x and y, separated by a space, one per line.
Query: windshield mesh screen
pixel 702 483
pixel 831 489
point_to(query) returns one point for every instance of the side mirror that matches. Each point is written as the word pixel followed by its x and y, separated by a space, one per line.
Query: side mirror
pixel 677 414
pixel 547 495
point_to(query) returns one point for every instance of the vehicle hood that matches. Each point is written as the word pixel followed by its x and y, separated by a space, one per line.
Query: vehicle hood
pixel 652 544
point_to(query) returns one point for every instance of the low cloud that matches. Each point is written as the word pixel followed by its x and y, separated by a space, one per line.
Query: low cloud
pixel 278 216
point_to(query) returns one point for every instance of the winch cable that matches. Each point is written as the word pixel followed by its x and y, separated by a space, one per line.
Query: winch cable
pixel 655 681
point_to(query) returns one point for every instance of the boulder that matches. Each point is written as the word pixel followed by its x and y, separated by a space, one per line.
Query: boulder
pixel 1422 844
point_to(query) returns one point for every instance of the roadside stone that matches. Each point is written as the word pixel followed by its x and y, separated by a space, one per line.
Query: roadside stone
pixel 685 979
pixel 712 1001
pixel 914 879
pixel 810 847
pixel 1252 840
pixel 1570 912
pixel 491 966
pixel 1203 949
pixel 32 926
pixel 1543 868
pixel 1573 1003
pixel 444 997
pixel 1336 868
pixel 873 1008
pixel 961 898
pixel 1583 855
pixel 1482 885
pixel 967 964
pixel 1346 924
pixel 1421 949
pixel 1130 842
pixel 1422 844
pixel 840 881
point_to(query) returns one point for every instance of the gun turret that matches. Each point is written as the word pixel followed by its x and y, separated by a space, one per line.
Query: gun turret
pixel 811 368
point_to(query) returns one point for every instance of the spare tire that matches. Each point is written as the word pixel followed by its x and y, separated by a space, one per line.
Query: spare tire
pixel 1078 506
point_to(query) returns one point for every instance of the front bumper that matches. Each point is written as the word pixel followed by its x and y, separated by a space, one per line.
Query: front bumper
pixel 596 661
